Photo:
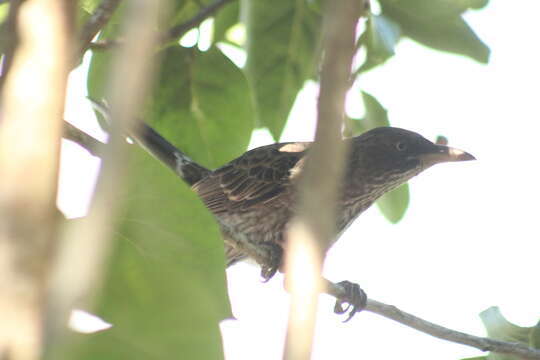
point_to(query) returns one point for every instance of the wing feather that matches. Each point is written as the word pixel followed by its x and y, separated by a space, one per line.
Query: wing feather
pixel 258 176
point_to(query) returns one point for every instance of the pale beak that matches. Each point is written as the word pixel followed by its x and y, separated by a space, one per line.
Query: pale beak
pixel 444 153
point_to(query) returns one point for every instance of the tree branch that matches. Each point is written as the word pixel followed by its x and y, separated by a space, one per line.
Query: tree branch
pixel 173 33
pixel 177 31
pixel 102 45
pixel 29 160
pixel 97 21
pixel 314 226
pixel 482 343
pixel 91 144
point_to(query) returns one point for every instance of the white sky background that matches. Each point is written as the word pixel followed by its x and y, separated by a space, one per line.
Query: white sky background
pixel 469 238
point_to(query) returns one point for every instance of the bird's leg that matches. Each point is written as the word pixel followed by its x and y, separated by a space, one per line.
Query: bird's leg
pixel 268 255
pixel 270 258
pixel 347 293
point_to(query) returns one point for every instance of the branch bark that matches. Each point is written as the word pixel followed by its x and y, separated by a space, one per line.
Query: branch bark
pixel 441 332
pixel 173 33
pixel 97 21
pixel 481 343
pixel 91 144
pixel 313 228
pixel 179 30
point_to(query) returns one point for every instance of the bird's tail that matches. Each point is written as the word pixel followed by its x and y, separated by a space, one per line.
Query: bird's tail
pixel 150 140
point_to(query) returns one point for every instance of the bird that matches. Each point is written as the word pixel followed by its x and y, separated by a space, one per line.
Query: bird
pixel 253 197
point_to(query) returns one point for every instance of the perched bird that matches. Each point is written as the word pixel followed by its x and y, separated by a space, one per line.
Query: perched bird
pixel 253 197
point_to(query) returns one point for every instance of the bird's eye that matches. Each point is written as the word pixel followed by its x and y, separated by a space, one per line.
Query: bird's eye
pixel 401 146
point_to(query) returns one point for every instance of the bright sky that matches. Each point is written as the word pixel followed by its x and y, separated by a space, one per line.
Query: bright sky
pixel 469 238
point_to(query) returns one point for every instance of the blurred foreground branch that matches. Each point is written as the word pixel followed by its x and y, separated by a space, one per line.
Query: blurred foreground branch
pixel 29 158
pixel 314 226
pixel 80 264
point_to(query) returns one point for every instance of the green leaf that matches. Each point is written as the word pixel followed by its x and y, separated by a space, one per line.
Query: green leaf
pixel 4 10
pixel 501 329
pixel 534 339
pixel 6 36
pixel 89 5
pixel 380 39
pixel 201 103
pixel 475 4
pixel 376 114
pixel 182 11
pixel 224 20
pixel 438 24
pixel 165 289
pixel 436 8
pixel 316 5
pixel 394 204
pixel 281 46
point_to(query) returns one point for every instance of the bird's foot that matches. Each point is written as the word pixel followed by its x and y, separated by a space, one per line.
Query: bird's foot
pixel 350 294
pixel 272 256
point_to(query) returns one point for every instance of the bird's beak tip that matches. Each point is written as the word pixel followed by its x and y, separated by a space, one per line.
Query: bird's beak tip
pixel 459 155
pixel 445 153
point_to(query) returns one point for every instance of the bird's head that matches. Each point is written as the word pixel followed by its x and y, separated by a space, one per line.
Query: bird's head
pixel 391 156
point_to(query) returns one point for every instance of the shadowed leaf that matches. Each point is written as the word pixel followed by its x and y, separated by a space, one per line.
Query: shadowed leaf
pixel 281 46
pixel 164 289
pixel 201 103
pixel 438 24
pixel 227 17
pixel 380 39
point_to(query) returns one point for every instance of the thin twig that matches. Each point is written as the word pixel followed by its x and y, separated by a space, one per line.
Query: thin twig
pixel 102 45
pixel 97 21
pixel 482 343
pixel 173 33
pixel 177 31
pixel 91 144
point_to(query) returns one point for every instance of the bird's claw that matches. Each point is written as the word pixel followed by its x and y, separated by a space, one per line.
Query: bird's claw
pixel 272 260
pixel 353 296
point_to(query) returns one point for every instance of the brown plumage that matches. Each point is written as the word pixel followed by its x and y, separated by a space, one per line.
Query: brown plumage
pixel 253 197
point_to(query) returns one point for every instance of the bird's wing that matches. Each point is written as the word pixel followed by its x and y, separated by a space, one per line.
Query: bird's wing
pixel 258 176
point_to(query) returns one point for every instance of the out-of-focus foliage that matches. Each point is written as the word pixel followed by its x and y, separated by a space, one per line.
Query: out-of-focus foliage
pixel 165 288
pixel 501 329
pixel 282 44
